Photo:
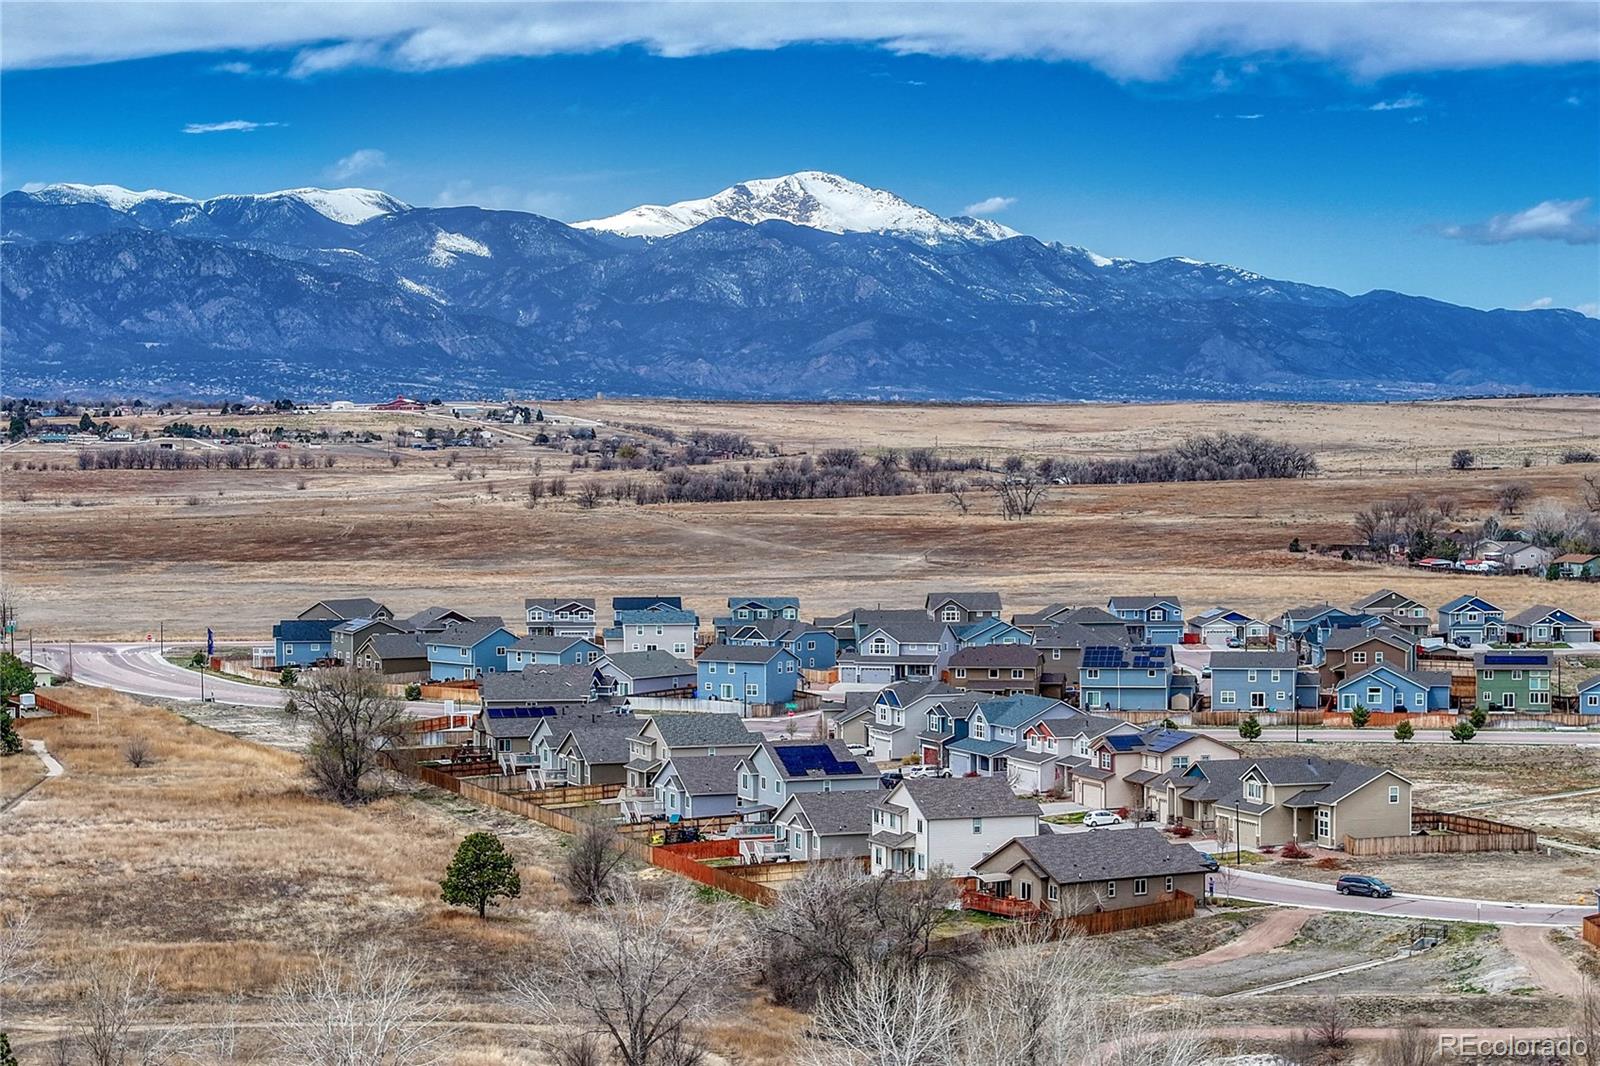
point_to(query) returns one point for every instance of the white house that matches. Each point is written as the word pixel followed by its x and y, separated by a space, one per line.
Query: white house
pixel 946 825
pixel 909 650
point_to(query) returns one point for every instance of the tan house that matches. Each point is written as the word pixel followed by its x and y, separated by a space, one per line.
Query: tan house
pixel 996 669
pixel 1353 651
pixel 1121 765
pixel 1063 874
pixel 1273 801
pixel 1398 611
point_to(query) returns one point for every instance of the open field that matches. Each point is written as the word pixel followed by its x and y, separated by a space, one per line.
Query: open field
pixel 111 553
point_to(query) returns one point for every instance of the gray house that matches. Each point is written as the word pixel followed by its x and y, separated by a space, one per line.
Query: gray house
pixel 699 786
pixel 595 752
pixel 348 636
pixel 641 673
pixel 399 657
pixel 667 736
pixel 826 825
pixel 961 608
pixel 1064 874
pixel 541 686
pixel 346 609
pixel 779 769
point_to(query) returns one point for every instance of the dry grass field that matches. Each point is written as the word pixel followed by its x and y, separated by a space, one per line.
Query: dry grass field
pixel 111 554
pixel 214 865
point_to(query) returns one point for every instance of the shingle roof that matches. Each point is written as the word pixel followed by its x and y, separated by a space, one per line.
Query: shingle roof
pixel 503 727
pixel 703 729
pixel 1013 711
pixel 429 617
pixel 740 653
pixel 1537 613
pixel 997 656
pixel 642 664
pixel 923 630
pixel 540 684
pixel 465 634
pixel 354 607
pixel 908 692
pixel 964 797
pixel 845 813
pixel 1350 636
pixel 1366 603
pixel 1253 660
pixel 1091 616
pixel 397 646
pixel 1076 858
pixel 667 616
pixel 1221 781
pixel 707 775
pixel 602 739
pixel 356 625
pixel 554 602
pixel 639 603
pixel 548 644
pixel 769 602
pixel 1425 678
pixel 1139 603
pixel 1078 635
pixel 970 601
pixel 310 630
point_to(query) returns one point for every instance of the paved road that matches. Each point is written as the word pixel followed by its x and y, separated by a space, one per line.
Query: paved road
pixel 1288 892
pixel 1279 735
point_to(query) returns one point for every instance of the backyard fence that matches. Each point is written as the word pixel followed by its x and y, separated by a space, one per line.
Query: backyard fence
pixel 60 707
pixel 1448 834
pixel 1591 930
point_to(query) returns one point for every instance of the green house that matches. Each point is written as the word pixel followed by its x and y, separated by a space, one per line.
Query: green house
pixel 1514 680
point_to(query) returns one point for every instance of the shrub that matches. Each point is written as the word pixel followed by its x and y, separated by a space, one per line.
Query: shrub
pixel 1462 732
pixel 288 676
pixel 1579 455
pixel 1294 545
pixel 414 691
pixel 1462 459
pixel 1403 732
pixel 1250 729
pixel 1360 716
pixel 1292 850
pixel 1478 717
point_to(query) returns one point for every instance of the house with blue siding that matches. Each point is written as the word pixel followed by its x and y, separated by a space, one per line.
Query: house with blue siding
pixel 1543 624
pixel 1391 689
pixel 780 769
pixel 551 651
pixel 983 633
pixel 1115 677
pixel 1150 619
pixel 1260 681
pixel 468 651
pixel 1588 698
pixel 909 650
pixel 555 616
pixel 755 609
pixel 1304 629
pixel 994 731
pixel 1473 618
pixel 747 673
pixel 303 641
pixel 815 646
pixel 655 628
pixel 644 603
pixel 1221 627
pixel 962 608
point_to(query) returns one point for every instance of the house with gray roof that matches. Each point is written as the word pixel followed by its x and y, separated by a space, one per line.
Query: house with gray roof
pixel 898 710
pixel 557 616
pixel 645 673
pixel 1063 874
pixel 1121 765
pixel 747 674
pixel 1061 647
pixel 1397 610
pixel 349 635
pixel 433 619
pixel 699 786
pixel 541 686
pixel 663 736
pixel 398 657
pixel 851 720
pixel 1056 745
pixel 1261 682
pixel 811 826
pixel 961 608
pixel 1150 619
pixel 943 827
pixel 1544 624
pixel 1301 798
pixel 342 610
pixel 468 651
pixel 994 729
pixel 898 651
pixel 549 650
pixel 1392 690
pixel 657 628
pixel 1355 649
pixel 1224 627
pixel 778 769
pixel 851 626
pixel 996 669
pixel 595 752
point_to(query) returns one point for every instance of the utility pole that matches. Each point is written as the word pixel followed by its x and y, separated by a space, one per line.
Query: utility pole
pixel 69 660
pixel 161 627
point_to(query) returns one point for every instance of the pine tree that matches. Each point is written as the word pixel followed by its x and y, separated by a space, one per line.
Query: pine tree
pixel 1403 732
pixel 1360 716
pixel 1463 731
pixel 481 871
pixel 1250 729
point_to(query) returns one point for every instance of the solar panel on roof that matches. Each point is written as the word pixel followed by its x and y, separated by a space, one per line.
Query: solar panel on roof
pixel 799 760
pixel 1516 660
pixel 521 712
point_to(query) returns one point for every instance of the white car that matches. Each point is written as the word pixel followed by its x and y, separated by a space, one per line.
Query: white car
pixel 1098 819
pixel 924 771
pixel 860 751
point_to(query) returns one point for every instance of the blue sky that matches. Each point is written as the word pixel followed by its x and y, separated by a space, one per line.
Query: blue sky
pixel 1455 170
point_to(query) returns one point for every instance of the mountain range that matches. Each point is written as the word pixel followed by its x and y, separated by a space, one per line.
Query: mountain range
pixel 807 286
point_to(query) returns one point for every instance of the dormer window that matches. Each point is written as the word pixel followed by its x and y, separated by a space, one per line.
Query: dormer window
pixel 1253 791
pixel 951 613
pixel 879 646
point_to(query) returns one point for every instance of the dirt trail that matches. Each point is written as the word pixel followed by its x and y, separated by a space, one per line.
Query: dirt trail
pixel 1273 931
pixel 1549 968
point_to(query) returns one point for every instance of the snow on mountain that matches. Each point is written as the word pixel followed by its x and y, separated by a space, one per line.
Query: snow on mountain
pixel 447 246
pixel 349 206
pixel 810 198
pixel 113 196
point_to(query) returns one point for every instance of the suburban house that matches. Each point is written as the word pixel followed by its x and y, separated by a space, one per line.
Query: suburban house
pixel 996 669
pixel 644 673
pixel 1066 874
pixel 1514 680
pixel 944 720
pixel 657 628
pixel 748 673
pixel 826 825
pixel 1354 650
pixel 779 769
pixel 851 626
pixel 556 617
pixel 1292 797
pixel 1588 696
pixel 1121 764
pixel 755 609
pixel 302 641
pixel 1261 681
pixel 620 604
pixel 815 646
pixel 1544 624
pixel 547 650
pixel 1577 565
pixel 1060 651
pixel 851 722
pixel 1472 618
pixel 898 651
pixel 1053 747
pixel 943 827
pixel 546 687
pixel 1221 627
pixel 344 610
pixel 898 711
pixel 467 651
pixel 434 619
pixel 989 631
pixel 1115 677
pixel 1304 630
pixel 1150 619
pixel 665 736
pixel 347 636
pixel 962 608
pixel 1045 617
pixel 595 752
pixel 1397 610
pixel 1393 689
pixel 1518 557
pixel 508 732
pixel 699 786
pixel 399 657
pixel 994 729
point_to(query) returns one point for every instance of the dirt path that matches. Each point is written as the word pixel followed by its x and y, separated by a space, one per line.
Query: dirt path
pixel 52 768
pixel 1549 968
pixel 1273 931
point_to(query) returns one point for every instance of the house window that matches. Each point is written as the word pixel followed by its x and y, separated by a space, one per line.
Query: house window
pixel 500 651
pixel 679 648
pixel 1054 893
pixel 1508 700
pixel 1180 762
pixel 811 645
pixel 1324 823
pixel 1377 657
pixel 1374 696
pixel 1277 675
pixel 1055 653
pixel 1141 886
pixel 961 671
pixel 1358 658
pixel 1516 675
pixel 950 614
pixel 1016 675
pixel 1253 791
pixel 993 674
pixel 1025 891
pixel 1486 675
pixel 752 690
pixel 288 649
pixel 1251 677
pixel 1169 884
pixel 922 861
pixel 1394 793
pixel 880 646
pixel 1258 700
pixel 977 825
pixel 1226 697
pixel 1111 890
pixel 1092 675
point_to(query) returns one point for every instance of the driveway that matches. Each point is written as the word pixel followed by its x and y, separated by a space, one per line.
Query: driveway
pixel 1273 931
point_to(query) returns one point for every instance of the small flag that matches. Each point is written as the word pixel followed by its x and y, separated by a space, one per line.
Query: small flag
pixel 211 642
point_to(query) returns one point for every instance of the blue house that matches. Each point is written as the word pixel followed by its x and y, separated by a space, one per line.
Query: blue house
pixel 551 651
pixel 815 646
pixel 1387 688
pixel 1473 618
pixel 1258 681
pixel 987 631
pixel 747 673
pixel 1113 677
pixel 468 650
pixel 994 731
pixel 755 609
pixel 1589 696
pixel 303 641
pixel 1150 619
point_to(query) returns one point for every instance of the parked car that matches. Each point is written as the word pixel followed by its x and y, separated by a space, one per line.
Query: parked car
pixel 1362 885
pixel 925 771
pixel 890 778
pixel 1235 642
pixel 1209 861
pixel 1461 642
pixel 860 751
pixel 1098 819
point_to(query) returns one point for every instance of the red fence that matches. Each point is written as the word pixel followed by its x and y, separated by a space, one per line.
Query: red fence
pixel 55 706
pixel 1591 930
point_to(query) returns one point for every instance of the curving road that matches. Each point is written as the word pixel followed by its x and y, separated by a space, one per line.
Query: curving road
pixel 1288 892
pixel 1583 738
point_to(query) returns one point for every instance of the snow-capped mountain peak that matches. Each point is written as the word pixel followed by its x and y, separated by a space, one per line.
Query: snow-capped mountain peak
pixel 810 198
pixel 113 196
pixel 349 206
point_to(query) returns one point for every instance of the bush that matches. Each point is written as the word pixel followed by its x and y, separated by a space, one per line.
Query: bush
pixel 414 691
pixel 1462 732
pixel 1478 717
pixel 1579 455
pixel 1250 729
pixel 1462 459
pixel 1294 545
pixel 1403 732
pixel 1292 850
pixel 1360 716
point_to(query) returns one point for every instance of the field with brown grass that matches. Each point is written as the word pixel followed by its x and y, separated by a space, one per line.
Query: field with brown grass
pixel 111 554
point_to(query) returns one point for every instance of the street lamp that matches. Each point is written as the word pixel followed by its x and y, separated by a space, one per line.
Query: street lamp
pixel 1238 838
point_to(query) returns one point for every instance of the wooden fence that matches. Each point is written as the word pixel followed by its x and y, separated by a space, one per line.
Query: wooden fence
pixel 1591 930
pixel 716 878
pixel 1175 908
pixel 1215 718
pixel 1387 720
pixel 701 850
pixel 1450 834
pixel 60 707
pixel 823 678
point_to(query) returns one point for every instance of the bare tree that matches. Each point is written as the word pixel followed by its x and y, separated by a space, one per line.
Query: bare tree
pixel 111 1013
pixel 588 496
pixel 638 972
pixel 1510 496
pixel 19 937
pixel 1591 492
pixel 593 857
pixel 352 717
pixel 368 1011
pixel 1331 1027
pixel 1017 494
pixel 959 501
pixel 885 1018
pixel 136 752
pixel 1411 1045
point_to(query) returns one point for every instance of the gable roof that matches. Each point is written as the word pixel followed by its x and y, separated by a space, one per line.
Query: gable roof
pixel 504 722
pixel 1253 660
pixel 1424 678
pixel 540 684
pixel 1078 858
pixel 963 797
pixel 1010 712
pixel 706 775
pixel 997 656
pixel 1467 599
pixel 1079 635
pixel 468 634
pixel 1539 612
pixel 923 630
pixel 601 739
pixel 1140 603
pixel 702 729
pixel 797 760
pixel 554 603
pixel 1367 602
pixel 769 602
pixel 969 601
pixel 435 617
pixel 396 646
pixel 645 664
pixel 657 616
pixel 549 644
pixel 639 603
pixel 353 607
pixel 309 630
pixel 1220 781
pixel 741 653
pixel 1351 636
pixel 844 813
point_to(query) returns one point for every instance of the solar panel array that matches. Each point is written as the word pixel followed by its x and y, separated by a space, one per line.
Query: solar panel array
pixel 801 759
pixel 521 712
pixel 1110 657
pixel 1516 660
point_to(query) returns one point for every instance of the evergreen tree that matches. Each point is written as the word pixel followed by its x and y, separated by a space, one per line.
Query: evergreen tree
pixel 1360 716
pixel 1463 731
pixel 1403 732
pixel 10 743
pixel 1250 729
pixel 481 871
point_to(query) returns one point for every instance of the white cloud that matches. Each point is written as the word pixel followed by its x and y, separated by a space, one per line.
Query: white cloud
pixel 1592 310
pixel 237 125
pixel 1251 117
pixel 502 198
pixel 989 206
pixel 359 161
pixel 235 67
pixel 1402 103
pixel 1548 220
pixel 1540 304
pixel 1129 41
